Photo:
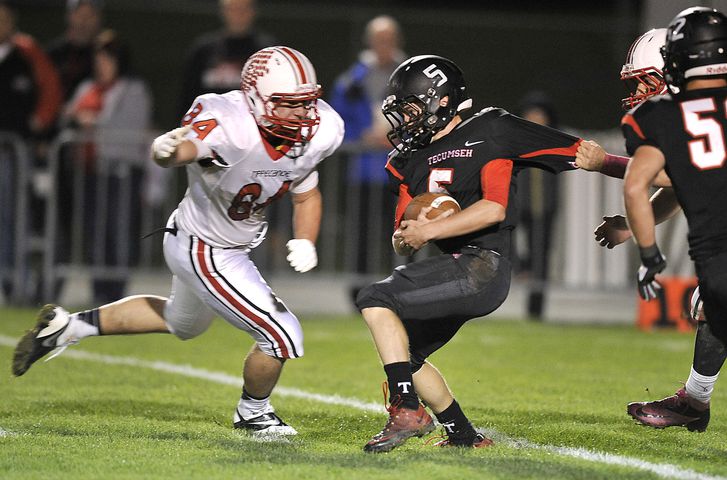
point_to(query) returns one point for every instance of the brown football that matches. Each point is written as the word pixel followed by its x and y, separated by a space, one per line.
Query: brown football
pixel 440 203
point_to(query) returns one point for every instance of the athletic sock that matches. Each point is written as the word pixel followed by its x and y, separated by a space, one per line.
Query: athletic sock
pixel 699 387
pixel 251 407
pixel 456 425
pixel 81 325
pixel 401 385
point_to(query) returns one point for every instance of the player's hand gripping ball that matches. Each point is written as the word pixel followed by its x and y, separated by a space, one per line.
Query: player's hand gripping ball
pixel 440 203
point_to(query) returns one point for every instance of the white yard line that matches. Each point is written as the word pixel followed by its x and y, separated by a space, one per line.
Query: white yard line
pixel 664 470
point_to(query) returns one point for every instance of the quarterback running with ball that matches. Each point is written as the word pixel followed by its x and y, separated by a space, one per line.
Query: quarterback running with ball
pixel 423 304
pixel 242 150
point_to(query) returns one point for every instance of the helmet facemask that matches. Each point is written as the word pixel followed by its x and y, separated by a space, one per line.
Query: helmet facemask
pixel 278 120
pixel 642 71
pixel 412 125
pixel 641 85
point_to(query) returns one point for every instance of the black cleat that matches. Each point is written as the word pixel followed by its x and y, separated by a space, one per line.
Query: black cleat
pixel 266 424
pixel 52 321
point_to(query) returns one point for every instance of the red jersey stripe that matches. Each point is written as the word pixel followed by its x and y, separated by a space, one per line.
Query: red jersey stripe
pixel 402 203
pixel 393 171
pixel 565 151
pixel 629 120
pixel 495 179
pixel 237 304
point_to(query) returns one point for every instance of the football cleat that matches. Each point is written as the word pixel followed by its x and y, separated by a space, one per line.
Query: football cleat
pixel 265 424
pixel 52 321
pixel 677 410
pixel 480 441
pixel 403 424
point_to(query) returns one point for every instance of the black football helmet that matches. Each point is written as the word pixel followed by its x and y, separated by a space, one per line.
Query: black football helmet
pixel 424 95
pixel 696 46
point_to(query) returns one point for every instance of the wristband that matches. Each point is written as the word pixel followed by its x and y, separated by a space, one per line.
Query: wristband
pixel 614 165
pixel 650 256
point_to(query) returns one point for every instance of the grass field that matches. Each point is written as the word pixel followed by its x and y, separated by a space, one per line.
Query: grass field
pixel 552 396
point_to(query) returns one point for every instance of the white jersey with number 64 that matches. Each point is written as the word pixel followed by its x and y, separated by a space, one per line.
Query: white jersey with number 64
pixel 225 202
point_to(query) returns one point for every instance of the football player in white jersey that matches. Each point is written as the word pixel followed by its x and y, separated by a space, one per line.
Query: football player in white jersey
pixel 242 150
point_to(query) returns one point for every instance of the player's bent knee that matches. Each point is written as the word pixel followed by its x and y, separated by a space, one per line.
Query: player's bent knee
pixel 187 327
pixel 185 332
pixel 372 296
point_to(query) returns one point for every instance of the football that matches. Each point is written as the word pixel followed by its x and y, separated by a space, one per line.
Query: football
pixel 440 203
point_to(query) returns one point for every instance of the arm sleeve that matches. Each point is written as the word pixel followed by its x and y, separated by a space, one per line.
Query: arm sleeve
pixel 205 120
pixel 532 145
pixel 402 202
pixel 309 182
pixel 495 179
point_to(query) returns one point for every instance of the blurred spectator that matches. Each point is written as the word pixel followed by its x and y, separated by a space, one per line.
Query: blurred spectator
pixel 538 203
pixel 18 90
pixel 215 60
pixel 18 93
pixel 357 96
pixel 49 97
pixel 73 53
pixel 111 112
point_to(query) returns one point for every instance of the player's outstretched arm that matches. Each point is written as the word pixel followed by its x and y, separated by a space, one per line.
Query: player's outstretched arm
pixel 642 170
pixel 174 149
pixel 614 230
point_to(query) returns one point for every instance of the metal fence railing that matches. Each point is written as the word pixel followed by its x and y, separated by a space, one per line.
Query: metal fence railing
pixel 16 241
pixel 103 193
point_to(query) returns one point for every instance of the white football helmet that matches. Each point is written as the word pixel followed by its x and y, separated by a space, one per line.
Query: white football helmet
pixel 281 77
pixel 643 70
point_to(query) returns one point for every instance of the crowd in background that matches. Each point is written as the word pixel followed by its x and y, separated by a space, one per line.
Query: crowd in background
pixel 83 83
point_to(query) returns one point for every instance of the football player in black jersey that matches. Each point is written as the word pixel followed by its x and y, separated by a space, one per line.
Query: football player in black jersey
pixel 420 307
pixel 683 133
pixel 643 69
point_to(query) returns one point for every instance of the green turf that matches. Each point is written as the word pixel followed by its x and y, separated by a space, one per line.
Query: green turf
pixel 546 384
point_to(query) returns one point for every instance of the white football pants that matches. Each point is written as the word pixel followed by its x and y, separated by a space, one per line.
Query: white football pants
pixel 210 280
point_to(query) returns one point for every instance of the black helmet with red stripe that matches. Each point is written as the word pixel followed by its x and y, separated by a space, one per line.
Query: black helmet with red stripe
pixel 424 95
pixel 696 46
pixel 281 77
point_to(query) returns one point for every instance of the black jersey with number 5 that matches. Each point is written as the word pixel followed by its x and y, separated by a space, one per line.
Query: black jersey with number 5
pixel 690 129
pixel 477 160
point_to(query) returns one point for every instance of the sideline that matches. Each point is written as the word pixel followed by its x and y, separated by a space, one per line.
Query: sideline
pixel 664 470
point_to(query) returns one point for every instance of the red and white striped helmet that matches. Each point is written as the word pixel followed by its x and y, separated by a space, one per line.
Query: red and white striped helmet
pixel 282 77
pixel 643 70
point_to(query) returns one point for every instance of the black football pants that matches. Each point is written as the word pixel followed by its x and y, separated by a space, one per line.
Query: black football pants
pixel 434 297
pixel 712 275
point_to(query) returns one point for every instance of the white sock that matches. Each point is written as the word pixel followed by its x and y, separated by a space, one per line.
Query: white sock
pixel 700 387
pixel 253 407
pixel 76 330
